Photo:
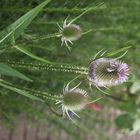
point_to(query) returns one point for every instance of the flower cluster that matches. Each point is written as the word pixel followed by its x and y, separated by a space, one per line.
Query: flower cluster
pixel 106 72
pixel 102 72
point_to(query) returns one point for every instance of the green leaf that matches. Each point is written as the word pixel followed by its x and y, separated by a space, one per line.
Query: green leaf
pixel 6 70
pixel 129 106
pixel 118 51
pixel 12 32
pixel 22 92
pixel 23 50
pixel 125 121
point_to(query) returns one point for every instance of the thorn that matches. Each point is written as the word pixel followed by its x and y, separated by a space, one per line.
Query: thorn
pixel 76 86
pixel 102 90
pixel 122 55
pixel 65 22
pixel 75 114
pixel 60 28
pixel 97 54
pixel 96 100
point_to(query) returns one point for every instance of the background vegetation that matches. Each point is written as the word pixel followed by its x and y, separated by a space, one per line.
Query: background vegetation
pixel 115 25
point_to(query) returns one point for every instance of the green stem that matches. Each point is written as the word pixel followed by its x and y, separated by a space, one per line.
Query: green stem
pixel 45 37
pixel 40 94
pixel 50 67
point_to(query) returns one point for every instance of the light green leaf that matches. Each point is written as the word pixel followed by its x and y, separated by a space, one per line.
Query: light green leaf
pixel 125 121
pixel 129 106
pixel 23 50
pixel 22 92
pixel 118 51
pixel 12 32
pixel 6 70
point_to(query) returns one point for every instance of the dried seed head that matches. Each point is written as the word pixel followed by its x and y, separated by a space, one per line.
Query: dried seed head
pixel 105 72
pixel 71 32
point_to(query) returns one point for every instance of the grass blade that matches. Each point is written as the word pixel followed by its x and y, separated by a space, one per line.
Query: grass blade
pixel 31 55
pixel 118 51
pixel 21 92
pixel 6 70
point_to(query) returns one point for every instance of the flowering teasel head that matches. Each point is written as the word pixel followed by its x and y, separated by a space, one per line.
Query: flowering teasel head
pixel 74 99
pixel 106 72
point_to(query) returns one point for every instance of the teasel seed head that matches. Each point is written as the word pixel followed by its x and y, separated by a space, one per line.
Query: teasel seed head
pixel 106 72
pixel 69 32
pixel 74 99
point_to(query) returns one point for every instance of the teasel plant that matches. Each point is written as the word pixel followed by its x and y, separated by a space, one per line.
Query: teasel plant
pixel 70 100
pixel 104 71
pixel 68 31
pixel 74 99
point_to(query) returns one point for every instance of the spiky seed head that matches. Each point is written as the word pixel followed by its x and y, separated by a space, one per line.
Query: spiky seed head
pixel 105 72
pixel 75 100
pixel 71 32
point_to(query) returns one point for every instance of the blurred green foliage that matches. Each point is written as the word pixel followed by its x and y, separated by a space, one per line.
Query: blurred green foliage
pixel 115 25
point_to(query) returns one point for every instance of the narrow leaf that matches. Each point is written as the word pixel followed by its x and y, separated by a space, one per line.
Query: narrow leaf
pixel 118 51
pixel 22 92
pixel 17 28
pixel 6 70
pixel 23 50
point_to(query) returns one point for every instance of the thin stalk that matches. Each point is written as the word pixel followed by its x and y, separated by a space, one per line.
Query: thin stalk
pixel 40 94
pixel 50 67
pixel 45 37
